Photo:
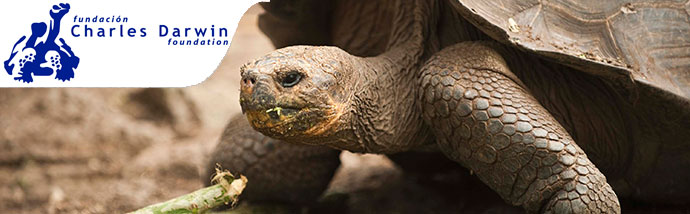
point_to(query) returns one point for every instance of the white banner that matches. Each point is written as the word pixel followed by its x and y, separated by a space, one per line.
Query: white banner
pixel 128 43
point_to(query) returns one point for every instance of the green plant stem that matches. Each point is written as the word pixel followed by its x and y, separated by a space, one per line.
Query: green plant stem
pixel 225 191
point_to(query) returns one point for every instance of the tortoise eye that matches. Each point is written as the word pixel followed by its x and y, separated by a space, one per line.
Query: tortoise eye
pixel 291 79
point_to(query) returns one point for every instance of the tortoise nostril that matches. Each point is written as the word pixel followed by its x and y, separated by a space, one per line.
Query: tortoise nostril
pixel 249 81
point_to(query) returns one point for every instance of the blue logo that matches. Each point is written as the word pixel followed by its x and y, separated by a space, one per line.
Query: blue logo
pixel 44 58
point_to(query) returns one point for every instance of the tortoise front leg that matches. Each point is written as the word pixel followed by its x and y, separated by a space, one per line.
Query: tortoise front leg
pixel 278 171
pixel 485 120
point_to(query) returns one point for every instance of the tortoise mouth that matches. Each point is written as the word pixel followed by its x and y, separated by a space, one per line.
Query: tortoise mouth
pixel 283 122
pixel 271 117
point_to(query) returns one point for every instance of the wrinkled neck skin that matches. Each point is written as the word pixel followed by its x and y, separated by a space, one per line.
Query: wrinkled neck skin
pixel 382 115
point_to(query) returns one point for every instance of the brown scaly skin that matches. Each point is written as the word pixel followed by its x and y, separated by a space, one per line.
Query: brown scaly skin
pixel 485 120
pixel 324 96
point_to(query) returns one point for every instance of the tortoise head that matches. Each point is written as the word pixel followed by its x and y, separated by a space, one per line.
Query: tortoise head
pixel 296 93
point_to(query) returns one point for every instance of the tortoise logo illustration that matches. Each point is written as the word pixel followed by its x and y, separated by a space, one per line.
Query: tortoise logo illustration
pixel 45 58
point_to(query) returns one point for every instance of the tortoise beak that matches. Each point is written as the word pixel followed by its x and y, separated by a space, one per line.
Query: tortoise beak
pixel 256 92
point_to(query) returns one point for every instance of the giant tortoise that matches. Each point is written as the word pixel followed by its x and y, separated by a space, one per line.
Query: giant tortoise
pixel 558 106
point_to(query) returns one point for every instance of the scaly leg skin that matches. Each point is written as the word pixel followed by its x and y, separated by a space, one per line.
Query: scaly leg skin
pixel 485 120
pixel 277 171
